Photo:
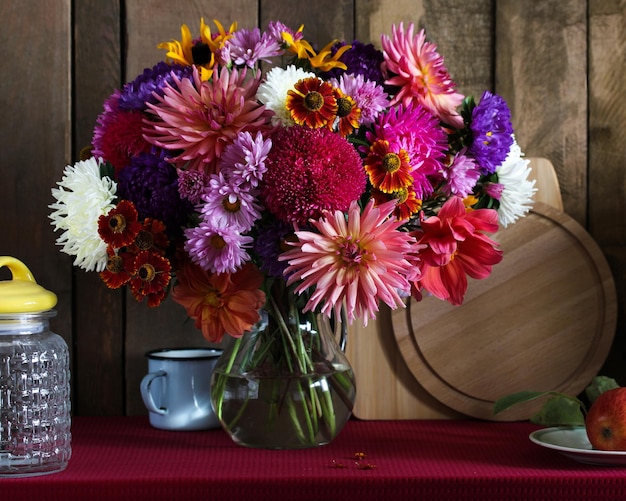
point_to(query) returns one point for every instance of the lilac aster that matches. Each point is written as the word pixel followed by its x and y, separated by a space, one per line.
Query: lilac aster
pixel 492 132
pixel 225 203
pixel 244 158
pixel 269 244
pixel 461 176
pixel 151 183
pixel 137 93
pixel 218 249
pixel 369 97
pixel 248 47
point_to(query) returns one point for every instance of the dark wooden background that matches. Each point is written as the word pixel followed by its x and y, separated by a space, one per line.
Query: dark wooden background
pixel 559 63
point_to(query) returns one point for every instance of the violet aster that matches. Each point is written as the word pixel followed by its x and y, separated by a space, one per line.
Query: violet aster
pixel 492 132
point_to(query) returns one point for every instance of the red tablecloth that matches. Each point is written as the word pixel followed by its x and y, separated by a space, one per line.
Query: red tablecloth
pixel 122 458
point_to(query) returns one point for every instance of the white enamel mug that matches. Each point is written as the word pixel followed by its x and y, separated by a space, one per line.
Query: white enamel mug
pixel 177 389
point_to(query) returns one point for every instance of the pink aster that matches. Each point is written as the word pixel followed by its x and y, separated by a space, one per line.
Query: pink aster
pixel 202 117
pixel 456 246
pixel 418 70
pixel 244 158
pixel 310 171
pixel 417 132
pixel 357 261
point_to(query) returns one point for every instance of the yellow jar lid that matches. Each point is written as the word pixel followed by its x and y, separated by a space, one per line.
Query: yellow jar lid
pixel 23 294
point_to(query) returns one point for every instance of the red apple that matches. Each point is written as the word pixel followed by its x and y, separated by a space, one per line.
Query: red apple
pixel 606 421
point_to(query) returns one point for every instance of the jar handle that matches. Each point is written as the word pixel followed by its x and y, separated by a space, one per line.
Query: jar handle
pixel 18 269
pixel 146 394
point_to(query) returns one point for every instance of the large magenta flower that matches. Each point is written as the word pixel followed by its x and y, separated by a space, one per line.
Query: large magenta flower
pixel 456 246
pixel 202 117
pixel 310 171
pixel 357 261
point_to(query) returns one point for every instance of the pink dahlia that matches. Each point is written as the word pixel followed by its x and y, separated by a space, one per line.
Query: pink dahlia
pixel 418 70
pixel 200 118
pixel 310 171
pixel 357 261
pixel 456 246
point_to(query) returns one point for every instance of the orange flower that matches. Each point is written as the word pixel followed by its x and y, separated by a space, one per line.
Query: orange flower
pixel 312 103
pixel 222 303
pixel 388 170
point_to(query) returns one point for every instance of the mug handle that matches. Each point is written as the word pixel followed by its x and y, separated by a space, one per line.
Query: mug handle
pixel 146 394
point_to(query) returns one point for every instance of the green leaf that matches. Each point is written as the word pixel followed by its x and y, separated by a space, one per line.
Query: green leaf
pixel 517 398
pixel 599 385
pixel 560 410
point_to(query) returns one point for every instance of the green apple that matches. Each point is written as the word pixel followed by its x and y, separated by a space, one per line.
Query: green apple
pixel 605 422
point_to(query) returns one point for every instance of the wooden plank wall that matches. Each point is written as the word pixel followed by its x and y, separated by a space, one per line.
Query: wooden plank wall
pixel 559 64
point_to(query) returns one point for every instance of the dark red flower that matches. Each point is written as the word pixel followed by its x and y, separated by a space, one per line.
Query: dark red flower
pixel 120 226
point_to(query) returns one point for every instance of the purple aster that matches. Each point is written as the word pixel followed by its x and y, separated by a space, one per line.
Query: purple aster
pixel 218 249
pixel 269 243
pixel 192 184
pixel 247 47
pixel 244 158
pixel 461 176
pixel 369 97
pixel 137 93
pixel 492 132
pixel 228 204
pixel 151 183
pixel 361 59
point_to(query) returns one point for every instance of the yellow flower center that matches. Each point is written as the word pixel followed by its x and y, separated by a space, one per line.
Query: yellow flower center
pixel 401 195
pixel 115 264
pixel 146 272
pixel 313 101
pixel 117 223
pixel 391 162
pixel 218 242
pixel 213 299
pixel 144 240
pixel 231 206
pixel 344 107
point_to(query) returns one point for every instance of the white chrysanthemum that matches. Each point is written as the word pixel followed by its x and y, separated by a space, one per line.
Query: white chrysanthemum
pixel 273 91
pixel 517 195
pixel 81 198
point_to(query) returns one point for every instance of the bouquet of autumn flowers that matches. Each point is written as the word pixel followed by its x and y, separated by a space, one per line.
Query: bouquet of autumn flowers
pixel 353 174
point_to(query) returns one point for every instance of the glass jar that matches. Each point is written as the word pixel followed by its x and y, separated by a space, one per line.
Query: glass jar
pixel 35 435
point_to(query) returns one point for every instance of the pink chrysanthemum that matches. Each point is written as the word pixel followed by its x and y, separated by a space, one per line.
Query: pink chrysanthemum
pixel 118 134
pixel 419 71
pixel 461 176
pixel 456 247
pixel 244 158
pixel 310 171
pixel 201 118
pixel 359 260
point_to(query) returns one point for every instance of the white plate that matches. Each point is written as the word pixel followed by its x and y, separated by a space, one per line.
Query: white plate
pixel 573 443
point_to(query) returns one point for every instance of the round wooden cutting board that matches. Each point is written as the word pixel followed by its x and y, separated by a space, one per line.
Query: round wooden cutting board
pixel 543 320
